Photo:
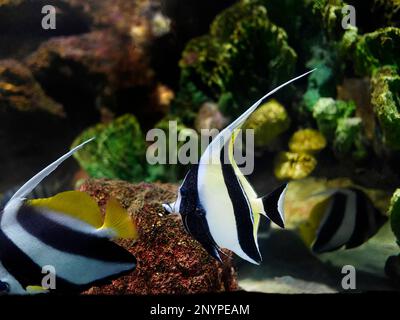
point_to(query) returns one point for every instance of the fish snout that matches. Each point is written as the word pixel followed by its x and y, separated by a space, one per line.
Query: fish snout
pixel 169 207
pixel 4 288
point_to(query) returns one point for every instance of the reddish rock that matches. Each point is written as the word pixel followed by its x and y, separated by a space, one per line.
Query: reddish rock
pixel 97 71
pixel 169 260
pixel 19 90
pixel 124 16
pixel 33 127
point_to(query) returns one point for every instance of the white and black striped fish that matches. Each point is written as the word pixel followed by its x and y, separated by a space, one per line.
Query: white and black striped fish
pixel 219 207
pixel 349 220
pixel 66 232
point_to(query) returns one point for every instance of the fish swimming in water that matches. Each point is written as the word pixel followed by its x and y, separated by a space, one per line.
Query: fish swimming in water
pixel 349 219
pixel 218 206
pixel 66 232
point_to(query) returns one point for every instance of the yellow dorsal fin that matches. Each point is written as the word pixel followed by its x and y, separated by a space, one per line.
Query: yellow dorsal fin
pixel 118 220
pixel 76 204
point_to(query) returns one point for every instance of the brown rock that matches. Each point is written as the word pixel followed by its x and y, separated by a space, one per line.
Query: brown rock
pixel 33 127
pixel 93 71
pixel 169 260
pixel 209 117
pixel 122 15
pixel 19 90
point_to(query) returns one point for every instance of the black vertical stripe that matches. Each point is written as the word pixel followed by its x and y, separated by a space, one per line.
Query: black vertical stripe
pixel 24 269
pixel 362 224
pixel 241 208
pixel 369 220
pixel 67 240
pixel 193 214
pixel 189 193
pixel 331 223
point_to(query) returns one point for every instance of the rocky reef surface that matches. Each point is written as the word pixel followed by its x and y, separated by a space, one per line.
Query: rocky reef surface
pixel 169 260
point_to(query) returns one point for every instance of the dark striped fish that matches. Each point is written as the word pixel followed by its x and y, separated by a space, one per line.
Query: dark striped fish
pixel 66 232
pixel 219 207
pixel 349 220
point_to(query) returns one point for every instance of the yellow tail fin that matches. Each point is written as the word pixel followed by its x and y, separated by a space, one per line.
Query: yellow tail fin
pixel 118 220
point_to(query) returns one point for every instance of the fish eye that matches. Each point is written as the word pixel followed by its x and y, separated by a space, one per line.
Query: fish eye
pixel 4 287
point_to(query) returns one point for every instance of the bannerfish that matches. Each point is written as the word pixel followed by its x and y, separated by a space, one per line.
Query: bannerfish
pixel 66 232
pixel 349 219
pixel 218 206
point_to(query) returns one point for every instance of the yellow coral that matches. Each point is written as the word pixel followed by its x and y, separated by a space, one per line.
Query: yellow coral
pixel 307 140
pixel 294 165
pixel 268 122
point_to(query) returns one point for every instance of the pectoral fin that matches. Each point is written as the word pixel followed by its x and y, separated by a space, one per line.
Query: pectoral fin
pixel 76 204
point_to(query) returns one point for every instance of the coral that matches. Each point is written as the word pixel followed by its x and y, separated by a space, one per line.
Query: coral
pixel 349 139
pixel 268 122
pixel 321 83
pixel 335 119
pixel 118 151
pixel 141 19
pixel 348 42
pixel 327 113
pixel 377 49
pixel 386 103
pixel 169 171
pixel 33 126
pixel 359 91
pixel 295 17
pixel 307 140
pixel 188 101
pixel 111 67
pixel 170 261
pixel 391 11
pixel 394 214
pixel 330 13
pixel 90 65
pixel 19 90
pixel 293 165
pixel 209 117
pixel 240 35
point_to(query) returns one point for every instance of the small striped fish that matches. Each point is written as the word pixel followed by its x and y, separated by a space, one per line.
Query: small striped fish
pixel 66 232
pixel 218 206
pixel 349 219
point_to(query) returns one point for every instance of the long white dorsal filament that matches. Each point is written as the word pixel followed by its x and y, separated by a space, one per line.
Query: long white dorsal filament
pixel 226 133
pixel 34 181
